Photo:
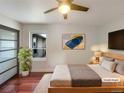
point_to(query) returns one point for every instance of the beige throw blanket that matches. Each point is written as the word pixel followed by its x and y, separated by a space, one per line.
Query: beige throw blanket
pixel 84 76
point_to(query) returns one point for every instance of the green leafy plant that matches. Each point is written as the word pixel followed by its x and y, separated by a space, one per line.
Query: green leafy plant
pixel 25 59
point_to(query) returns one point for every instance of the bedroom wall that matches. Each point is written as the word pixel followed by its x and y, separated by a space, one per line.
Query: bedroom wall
pixel 55 53
pixel 9 22
pixel 110 27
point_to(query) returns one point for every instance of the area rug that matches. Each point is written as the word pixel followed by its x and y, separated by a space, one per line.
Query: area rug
pixel 43 85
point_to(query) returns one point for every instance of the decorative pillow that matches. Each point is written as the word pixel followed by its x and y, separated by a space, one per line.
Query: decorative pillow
pixel 120 67
pixel 108 65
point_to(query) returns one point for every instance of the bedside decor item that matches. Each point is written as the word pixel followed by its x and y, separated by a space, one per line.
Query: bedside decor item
pixel 97 53
pixel 96 59
pixel 25 61
pixel 73 41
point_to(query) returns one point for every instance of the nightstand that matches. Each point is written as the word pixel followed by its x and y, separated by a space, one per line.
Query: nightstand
pixel 94 62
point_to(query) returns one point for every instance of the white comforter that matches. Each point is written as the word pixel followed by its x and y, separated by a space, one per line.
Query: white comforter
pixel 61 76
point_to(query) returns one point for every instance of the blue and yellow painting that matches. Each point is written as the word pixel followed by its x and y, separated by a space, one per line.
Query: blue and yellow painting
pixel 72 41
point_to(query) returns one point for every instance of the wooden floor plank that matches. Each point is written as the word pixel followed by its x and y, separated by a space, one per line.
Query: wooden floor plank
pixel 22 84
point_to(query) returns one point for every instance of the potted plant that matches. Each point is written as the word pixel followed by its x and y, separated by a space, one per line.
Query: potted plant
pixel 25 61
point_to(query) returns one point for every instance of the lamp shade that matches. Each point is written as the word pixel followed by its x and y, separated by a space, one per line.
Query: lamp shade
pixel 98 53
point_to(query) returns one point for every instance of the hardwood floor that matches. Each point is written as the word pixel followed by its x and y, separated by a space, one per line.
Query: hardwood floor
pixel 22 84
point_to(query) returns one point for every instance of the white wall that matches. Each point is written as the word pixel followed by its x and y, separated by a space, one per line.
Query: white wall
pixel 55 53
pixel 110 27
pixel 6 21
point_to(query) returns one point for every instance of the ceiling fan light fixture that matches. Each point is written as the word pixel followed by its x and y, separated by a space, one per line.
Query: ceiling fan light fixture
pixel 64 8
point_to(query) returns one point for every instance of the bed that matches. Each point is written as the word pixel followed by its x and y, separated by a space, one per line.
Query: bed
pixel 97 79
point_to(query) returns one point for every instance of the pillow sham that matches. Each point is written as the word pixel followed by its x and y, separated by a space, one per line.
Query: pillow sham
pixel 108 65
pixel 120 67
pixel 106 58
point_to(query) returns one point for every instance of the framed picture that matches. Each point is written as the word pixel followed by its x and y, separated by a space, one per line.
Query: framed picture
pixel 73 41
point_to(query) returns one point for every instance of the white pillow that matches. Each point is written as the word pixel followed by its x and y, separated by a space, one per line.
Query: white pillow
pixel 106 58
pixel 108 65
pixel 120 67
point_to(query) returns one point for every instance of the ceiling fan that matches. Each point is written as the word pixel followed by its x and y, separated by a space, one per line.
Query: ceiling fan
pixel 64 6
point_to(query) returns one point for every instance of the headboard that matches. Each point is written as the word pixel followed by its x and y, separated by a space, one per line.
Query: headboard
pixel 113 55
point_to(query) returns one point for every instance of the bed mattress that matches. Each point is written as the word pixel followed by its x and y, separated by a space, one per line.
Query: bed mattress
pixel 62 78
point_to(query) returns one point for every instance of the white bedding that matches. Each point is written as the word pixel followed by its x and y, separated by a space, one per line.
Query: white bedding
pixel 61 76
pixel 103 73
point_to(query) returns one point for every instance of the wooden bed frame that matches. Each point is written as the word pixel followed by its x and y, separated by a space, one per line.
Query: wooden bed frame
pixel 105 89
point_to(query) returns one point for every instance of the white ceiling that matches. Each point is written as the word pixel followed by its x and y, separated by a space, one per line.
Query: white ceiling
pixel 31 11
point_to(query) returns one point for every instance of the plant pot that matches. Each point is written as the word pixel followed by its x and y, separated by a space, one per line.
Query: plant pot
pixel 25 73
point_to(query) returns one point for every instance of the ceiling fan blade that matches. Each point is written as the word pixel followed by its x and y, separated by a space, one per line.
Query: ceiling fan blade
pixel 78 7
pixel 50 10
pixel 65 16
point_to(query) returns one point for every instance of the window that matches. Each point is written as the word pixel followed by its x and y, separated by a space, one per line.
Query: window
pixel 38 46
pixel 9 46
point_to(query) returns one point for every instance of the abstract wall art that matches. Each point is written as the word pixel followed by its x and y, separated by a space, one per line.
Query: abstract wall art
pixel 73 41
